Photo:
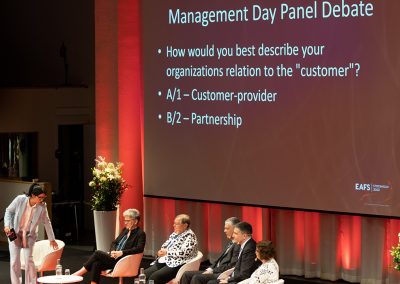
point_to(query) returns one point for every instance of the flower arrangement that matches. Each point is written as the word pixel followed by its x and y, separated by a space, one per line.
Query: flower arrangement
pixel 395 252
pixel 107 185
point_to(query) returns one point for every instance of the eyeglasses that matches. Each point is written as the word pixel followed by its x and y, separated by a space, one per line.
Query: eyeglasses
pixel 127 221
pixel 42 197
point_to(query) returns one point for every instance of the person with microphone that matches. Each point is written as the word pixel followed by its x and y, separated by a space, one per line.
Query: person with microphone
pixel 21 221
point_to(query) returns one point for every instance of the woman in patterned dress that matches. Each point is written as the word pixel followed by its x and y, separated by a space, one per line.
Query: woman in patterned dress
pixel 180 247
pixel 268 271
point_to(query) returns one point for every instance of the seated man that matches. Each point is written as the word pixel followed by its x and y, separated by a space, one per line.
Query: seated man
pixel 225 261
pixel 246 263
pixel 179 249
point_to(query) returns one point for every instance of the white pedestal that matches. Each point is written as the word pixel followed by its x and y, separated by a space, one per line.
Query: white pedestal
pixel 104 225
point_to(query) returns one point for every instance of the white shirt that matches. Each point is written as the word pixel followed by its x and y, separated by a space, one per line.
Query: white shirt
pixel 242 246
pixel 26 218
pixel 267 272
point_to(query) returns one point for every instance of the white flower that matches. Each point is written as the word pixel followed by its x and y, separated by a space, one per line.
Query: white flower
pixel 107 185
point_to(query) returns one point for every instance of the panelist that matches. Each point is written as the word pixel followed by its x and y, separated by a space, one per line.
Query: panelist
pixel 23 216
pixel 268 271
pixel 179 249
pixel 225 261
pixel 131 240
pixel 246 263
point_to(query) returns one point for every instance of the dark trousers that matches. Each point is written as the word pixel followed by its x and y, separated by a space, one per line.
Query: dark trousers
pixel 97 262
pixel 215 281
pixel 197 277
pixel 161 273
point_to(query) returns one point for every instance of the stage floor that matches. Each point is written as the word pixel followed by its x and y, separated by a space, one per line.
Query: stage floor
pixel 75 255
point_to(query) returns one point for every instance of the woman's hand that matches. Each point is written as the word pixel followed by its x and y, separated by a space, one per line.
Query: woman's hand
pixel 6 230
pixel 116 253
pixel 162 252
pixel 54 244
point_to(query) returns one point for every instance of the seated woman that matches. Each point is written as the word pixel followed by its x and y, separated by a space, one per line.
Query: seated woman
pixel 268 271
pixel 180 247
pixel 131 240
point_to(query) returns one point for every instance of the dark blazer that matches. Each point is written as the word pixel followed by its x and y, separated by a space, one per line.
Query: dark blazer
pixel 227 259
pixel 134 244
pixel 246 263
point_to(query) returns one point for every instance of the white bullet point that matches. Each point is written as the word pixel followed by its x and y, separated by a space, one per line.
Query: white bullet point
pixel 159 93
pixel 159 116
pixel 159 51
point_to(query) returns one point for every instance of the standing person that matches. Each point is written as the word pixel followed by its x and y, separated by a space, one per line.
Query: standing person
pixel 268 271
pixel 225 261
pixel 23 215
pixel 131 240
pixel 180 248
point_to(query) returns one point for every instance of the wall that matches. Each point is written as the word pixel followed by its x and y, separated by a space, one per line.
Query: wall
pixel 42 85
pixel 41 110
pixel 32 33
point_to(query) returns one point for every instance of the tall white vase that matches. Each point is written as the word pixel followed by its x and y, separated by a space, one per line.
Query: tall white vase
pixel 104 226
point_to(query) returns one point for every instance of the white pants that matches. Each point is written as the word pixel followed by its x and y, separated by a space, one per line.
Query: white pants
pixel 15 263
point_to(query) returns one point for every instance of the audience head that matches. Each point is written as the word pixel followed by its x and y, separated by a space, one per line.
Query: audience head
pixel 181 223
pixel 131 218
pixel 265 250
pixel 229 226
pixel 37 193
pixel 242 232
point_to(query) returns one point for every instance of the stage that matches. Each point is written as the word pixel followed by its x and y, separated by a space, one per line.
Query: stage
pixel 75 255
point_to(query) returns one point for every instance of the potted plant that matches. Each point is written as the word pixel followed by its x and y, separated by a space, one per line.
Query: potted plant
pixel 395 252
pixel 107 187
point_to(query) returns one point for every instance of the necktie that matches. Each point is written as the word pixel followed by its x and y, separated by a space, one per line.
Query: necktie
pixel 122 242
pixel 239 260
pixel 228 247
pixel 240 252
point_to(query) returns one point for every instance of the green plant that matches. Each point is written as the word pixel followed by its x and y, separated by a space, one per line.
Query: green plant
pixel 107 185
pixel 395 252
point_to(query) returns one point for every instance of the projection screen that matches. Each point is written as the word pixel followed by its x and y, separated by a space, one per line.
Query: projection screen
pixel 290 104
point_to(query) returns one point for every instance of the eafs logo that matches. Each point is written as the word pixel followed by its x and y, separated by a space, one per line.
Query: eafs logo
pixel 362 186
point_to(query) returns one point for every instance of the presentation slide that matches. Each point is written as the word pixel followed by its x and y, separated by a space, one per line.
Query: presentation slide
pixel 289 104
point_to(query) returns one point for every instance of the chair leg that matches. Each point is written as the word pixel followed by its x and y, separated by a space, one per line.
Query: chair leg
pixel 121 280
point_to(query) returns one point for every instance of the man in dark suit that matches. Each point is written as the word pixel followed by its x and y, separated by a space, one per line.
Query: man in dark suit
pixel 131 240
pixel 225 261
pixel 246 263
